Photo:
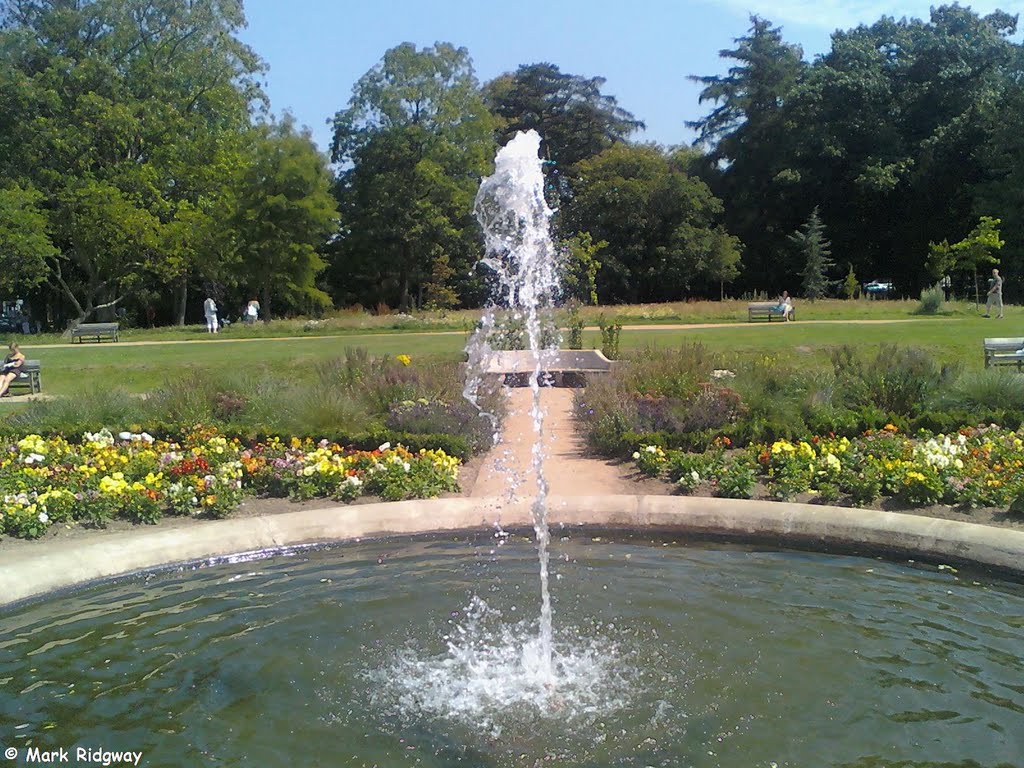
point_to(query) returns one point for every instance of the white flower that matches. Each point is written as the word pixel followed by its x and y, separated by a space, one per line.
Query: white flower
pixel 383 447
pixel 636 454
pixel 721 373
pixel 124 435
pixel 147 438
pixel 405 465
pixel 651 449
pixel 34 458
pixel 695 476
pixel 43 517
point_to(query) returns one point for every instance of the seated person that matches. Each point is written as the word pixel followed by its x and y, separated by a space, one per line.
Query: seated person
pixel 11 368
pixel 785 307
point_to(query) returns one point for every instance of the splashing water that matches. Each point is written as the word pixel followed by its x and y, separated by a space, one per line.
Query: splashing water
pixel 514 215
pixel 489 670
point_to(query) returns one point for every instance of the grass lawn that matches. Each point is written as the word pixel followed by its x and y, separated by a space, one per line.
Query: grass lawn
pixel 358 323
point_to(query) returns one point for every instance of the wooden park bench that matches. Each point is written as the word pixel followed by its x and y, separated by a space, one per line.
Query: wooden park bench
pixel 516 365
pixel 1004 351
pixel 30 377
pixel 98 331
pixel 767 310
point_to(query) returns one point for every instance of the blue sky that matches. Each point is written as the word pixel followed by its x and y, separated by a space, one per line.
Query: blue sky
pixel 317 49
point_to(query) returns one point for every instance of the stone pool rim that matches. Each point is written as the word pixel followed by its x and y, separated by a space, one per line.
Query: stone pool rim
pixel 30 573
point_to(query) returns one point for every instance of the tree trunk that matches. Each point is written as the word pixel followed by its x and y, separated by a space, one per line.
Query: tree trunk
pixel 977 295
pixel 179 310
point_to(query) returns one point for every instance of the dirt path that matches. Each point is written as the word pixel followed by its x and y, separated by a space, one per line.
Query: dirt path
pixel 508 468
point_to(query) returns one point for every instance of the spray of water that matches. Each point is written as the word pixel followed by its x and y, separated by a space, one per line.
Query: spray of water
pixel 514 215
pixel 491 671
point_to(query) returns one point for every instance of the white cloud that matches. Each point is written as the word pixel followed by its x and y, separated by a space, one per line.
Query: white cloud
pixel 843 14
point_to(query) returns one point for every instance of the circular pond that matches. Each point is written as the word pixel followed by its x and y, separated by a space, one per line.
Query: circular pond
pixel 410 652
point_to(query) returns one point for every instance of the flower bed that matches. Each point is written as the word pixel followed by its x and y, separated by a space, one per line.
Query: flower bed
pixel 973 468
pixel 45 481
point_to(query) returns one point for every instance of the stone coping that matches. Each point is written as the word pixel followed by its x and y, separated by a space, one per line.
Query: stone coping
pixel 31 573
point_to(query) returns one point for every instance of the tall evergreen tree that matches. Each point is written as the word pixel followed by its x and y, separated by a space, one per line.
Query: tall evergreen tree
pixel 815 251
pixel 749 142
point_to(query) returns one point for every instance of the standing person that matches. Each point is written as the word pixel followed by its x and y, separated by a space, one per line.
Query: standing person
pixel 995 294
pixel 11 368
pixel 252 312
pixel 210 310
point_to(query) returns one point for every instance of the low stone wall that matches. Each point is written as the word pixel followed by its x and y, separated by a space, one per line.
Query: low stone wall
pixel 32 572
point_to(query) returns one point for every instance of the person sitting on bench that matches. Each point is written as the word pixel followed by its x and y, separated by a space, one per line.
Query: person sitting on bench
pixel 785 307
pixel 11 368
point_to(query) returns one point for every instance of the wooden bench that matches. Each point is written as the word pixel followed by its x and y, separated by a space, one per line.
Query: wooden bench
pixel 30 377
pixel 767 310
pixel 98 331
pixel 517 364
pixel 1004 351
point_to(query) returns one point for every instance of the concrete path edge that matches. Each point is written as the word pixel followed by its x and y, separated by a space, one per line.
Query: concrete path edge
pixel 32 573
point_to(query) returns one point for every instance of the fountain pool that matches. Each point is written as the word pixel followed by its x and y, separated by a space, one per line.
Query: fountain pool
pixel 380 654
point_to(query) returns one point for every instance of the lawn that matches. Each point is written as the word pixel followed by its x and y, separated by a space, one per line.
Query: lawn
pixel 140 367
pixel 358 323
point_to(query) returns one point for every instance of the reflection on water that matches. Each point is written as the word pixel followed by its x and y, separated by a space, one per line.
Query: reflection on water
pixel 395 653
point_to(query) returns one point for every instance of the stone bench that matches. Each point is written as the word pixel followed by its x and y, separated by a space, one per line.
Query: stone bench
pixel 516 364
pixel 29 377
pixel 98 331
pixel 1004 351
pixel 767 310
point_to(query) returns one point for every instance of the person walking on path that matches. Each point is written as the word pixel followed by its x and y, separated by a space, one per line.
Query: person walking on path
pixel 995 294
pixel 210 310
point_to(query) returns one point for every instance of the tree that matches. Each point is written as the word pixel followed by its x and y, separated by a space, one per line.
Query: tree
pixel 968 255
pixel 890 124
pixel 749 163
pixel 574 118
pixel 851 286
pixel 24 241
pixel 816 250
pixel 118 112
pixel 284 216
pixel 413 143
pixel 580 267
pixel 663 238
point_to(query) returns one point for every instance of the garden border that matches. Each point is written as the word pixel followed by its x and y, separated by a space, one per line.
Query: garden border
pixel 32 572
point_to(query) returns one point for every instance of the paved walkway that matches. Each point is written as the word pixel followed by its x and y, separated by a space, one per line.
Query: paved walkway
pixel 508 469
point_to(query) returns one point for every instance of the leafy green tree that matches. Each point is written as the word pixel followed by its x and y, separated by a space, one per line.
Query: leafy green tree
pixel 663 238
pixel 284 216
pixel 968 255
pixel 851 285
pixel 117 111
pixel 438 292
pixel 574 118
pixel 413 143
pixel 25 242
pixel 815 250
pixel 890 123
pixel 580 267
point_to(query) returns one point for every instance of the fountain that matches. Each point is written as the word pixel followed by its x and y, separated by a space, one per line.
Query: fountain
pixel 426 651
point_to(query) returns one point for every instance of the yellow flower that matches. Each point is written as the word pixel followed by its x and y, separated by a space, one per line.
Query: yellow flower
pixel 404 359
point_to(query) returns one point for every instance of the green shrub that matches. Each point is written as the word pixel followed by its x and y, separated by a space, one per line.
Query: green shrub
pixel 575 323
pixel 987 388
pixel 932 301
pixel 610 332
pixel 736 480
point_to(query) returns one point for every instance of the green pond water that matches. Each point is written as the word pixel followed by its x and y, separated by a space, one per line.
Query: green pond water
pixel 411 653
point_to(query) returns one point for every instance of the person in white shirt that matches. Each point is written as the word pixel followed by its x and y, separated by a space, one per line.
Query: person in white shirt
pixel 210 310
